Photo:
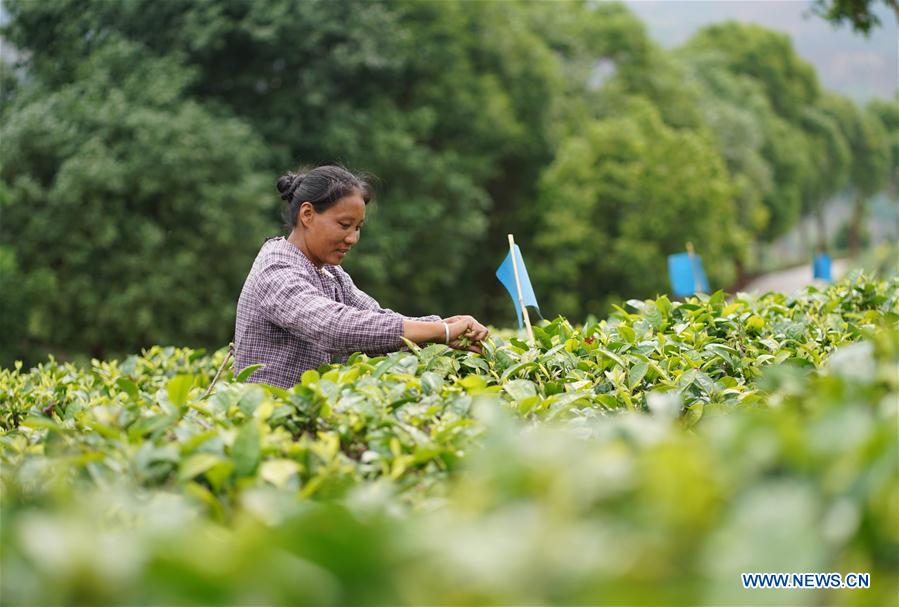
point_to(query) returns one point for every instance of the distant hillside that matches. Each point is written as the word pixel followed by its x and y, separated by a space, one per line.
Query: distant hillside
pixel 847 62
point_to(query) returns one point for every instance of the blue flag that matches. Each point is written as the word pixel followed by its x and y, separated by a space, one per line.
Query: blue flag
pixel 506 275
pixel 821 267
pixel 686 274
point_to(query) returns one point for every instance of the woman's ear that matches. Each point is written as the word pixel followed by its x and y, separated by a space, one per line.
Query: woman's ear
pixel 306 213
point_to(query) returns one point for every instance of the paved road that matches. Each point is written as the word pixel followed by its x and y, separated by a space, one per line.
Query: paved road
pixel 794 279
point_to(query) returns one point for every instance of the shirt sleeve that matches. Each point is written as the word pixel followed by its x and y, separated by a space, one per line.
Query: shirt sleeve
pixel 291 301
pixel 358 298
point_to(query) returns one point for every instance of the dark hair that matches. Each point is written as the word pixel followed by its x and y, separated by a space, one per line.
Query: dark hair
pixel 322 187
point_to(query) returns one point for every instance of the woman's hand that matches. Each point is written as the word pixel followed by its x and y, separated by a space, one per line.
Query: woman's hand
pixel 465 332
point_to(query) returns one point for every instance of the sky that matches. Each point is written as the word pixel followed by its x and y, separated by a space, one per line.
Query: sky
pixel 847 62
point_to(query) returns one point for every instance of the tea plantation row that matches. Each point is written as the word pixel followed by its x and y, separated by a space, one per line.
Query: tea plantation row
pixel 649 458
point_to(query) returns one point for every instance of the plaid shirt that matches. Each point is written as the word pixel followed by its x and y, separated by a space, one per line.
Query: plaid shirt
pixel 292 316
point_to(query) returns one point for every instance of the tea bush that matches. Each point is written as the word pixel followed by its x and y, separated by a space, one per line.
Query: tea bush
pixel 644 459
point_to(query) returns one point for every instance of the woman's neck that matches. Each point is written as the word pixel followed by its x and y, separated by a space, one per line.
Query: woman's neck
pixel 296 239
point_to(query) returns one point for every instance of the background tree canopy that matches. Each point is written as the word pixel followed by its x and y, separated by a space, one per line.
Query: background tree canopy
pixel 859 14
pixel 141 141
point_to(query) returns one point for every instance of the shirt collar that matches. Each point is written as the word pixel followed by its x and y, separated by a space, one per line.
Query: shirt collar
pixel 326 270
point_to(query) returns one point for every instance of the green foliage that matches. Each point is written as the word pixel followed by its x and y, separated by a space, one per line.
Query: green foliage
pixel 867 141
pixel 881 261
pixel 869 157
pixel 165 124
pixel 734 105
pixel 859 14
pixel 887 112
pixel 765 154
pixel 436 476
pixel 786 149
pixel 434 98
pixel 621 196
pixel 665 82
pixel 126 209
pixel 829 157
pixel 802 157
pixel 789 82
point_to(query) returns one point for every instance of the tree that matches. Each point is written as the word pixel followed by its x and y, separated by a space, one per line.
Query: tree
pixel 129 211
pixel 620 197
pixel 830 162
pixel 762 151
pixel 869 156
pixel 860 14
pixel 447 103
pixel 887 113
pixel 734 106
pixel 790 83
pixel 455 106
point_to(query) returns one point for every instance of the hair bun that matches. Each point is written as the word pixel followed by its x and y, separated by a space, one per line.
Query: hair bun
pixel 287 185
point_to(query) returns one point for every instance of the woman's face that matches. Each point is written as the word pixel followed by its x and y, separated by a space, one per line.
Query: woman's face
pixel 331 234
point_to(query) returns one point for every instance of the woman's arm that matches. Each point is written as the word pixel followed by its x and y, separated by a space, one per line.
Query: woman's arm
pixel 419 330
pixel 356 297
pixel 424 331
pixel 445 332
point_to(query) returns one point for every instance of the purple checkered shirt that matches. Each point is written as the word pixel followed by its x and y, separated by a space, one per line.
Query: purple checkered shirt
pixel 291 317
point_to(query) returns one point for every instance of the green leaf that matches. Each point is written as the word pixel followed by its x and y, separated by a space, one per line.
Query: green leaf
pixel 473 383
pixel 310 377
pixel 543 337
pixel 127 386
pixel 608 401
pixel 251 399
pixel 178 389
pixel 247 450
pixel 246 372
pixel 636 373
pixel 526 405
pixel 518 343
pixel 279 472
pixel 385 365
pixel 693 413
pixel 431 382
pixel 205 496
pixel 755 323
pixel 518 368
pixel 653 315
pixel 40 423
pixel 614 357
pixel 520 389
pixel 627 333
pixel 473 361
pixel 197 464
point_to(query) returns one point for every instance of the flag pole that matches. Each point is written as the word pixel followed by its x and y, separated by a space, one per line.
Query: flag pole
pixel 524 309
pixel 697 283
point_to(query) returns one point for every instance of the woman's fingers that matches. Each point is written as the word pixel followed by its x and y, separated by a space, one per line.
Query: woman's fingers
pixel 467 326
pixel 458 328
pixel 477 331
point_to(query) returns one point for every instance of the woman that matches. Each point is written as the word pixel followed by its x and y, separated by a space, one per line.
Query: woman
pixel 299 309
